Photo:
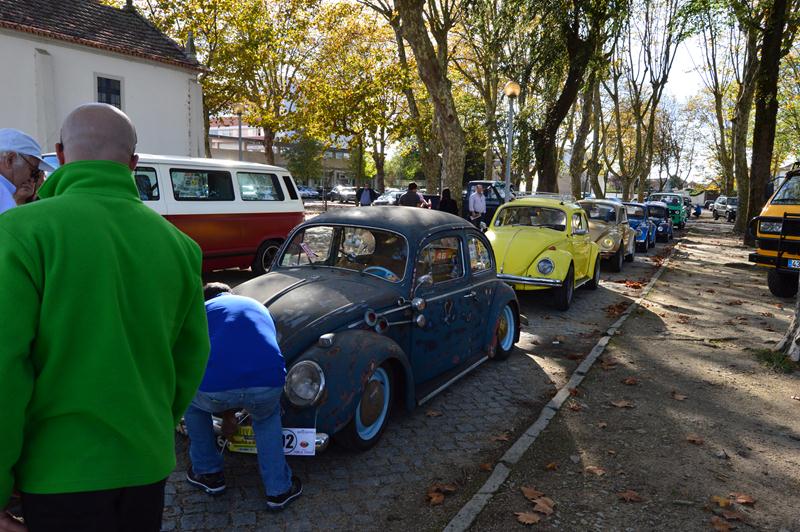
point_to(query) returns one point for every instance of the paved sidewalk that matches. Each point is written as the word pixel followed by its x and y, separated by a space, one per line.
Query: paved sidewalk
pixel 681 413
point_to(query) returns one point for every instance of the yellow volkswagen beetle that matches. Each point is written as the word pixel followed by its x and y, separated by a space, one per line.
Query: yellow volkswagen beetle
pixel 544 243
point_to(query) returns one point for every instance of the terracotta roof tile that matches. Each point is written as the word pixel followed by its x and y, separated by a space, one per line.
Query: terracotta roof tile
pixel 90 23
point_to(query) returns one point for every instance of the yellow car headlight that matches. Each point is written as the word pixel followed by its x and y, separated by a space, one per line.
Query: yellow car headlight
pixel 545 266
pixel 607 243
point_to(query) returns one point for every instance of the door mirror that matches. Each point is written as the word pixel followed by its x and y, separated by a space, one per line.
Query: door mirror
pixel 483 227
pixel 580 232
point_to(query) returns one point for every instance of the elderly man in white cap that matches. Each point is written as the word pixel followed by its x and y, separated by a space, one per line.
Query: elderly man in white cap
pixel 20 164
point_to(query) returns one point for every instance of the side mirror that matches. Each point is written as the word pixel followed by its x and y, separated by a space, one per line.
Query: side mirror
pixel 424 281
pixel 483 227
pixel 580 232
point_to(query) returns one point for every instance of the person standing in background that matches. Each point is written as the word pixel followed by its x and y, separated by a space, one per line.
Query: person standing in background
pixel 477 206
pixel 20 163
pixel 448 204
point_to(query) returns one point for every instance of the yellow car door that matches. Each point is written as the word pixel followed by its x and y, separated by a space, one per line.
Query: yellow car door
pixel 581 247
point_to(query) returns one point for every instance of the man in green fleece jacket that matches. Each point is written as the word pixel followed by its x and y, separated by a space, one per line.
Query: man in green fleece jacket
pixel 104 339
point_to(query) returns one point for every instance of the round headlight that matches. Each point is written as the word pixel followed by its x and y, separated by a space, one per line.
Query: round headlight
pixel 607 243
pixel 661 228
pixel 639 232
pixel 305 383
pixel 545 266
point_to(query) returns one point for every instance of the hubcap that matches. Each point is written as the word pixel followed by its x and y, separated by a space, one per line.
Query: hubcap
pixel 269 254
pixel 505 328
pixel 373 407
pixel 371 403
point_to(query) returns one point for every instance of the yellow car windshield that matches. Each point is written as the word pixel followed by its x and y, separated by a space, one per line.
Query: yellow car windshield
pixel 532 217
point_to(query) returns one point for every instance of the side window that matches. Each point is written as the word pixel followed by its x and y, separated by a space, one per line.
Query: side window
pixel 480 260
pixel 201 185
pixel 577 223
pixel 441 259
pixel 259 187
pixel 623 216
pixel 146 183
pixel 290 186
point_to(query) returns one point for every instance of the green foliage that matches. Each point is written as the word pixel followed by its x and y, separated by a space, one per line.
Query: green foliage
pixel 404 166
pixel 305 159
pixel 775 360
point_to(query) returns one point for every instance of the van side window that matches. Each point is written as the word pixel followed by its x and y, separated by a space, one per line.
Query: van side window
pixel 259 187
pixel 290 187
pixel 201 185
pixel 146 183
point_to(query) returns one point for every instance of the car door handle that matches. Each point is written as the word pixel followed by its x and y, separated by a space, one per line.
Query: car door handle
pixel 471 294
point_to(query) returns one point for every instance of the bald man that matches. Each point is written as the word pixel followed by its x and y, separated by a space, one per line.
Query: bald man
pixel 104 339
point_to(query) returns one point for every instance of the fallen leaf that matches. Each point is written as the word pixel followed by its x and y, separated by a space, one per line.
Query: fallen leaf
pixel 695 439
pixel 544 505
pixel 796 397
pixel 435 498
pixel 501 437
pixel 719 524
pixel 486 467
pixel 622 403
pixel 602 425
pixel 612 452
pixel 617 309
pixel 531 493
pixel 575 406
pixel 629 496
pixel 597 470
pixel 527 518
pixel 630 381
pixel 736 302
pixel 677 396
pixel 552 466
pixel 733 515
pixel 574 392
pixel 433 413
pixel 743 498
pixel 722 502
pixel 442 488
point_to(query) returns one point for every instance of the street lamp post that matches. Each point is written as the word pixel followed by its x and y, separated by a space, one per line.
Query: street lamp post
pixel 238 109
pixel 511 91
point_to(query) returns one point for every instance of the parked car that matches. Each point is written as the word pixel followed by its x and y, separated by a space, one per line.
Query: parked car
pixel 777 231
pixel 380 306
pixel 238 212
pixel 718 207
pixel 495 196
pixel 640 221
pixel 658 212
pixel 609 227
pixel 388 198
pixel 343 194
pixel 675 205
pixel 308 192
pixel 544 243
pixel 725 207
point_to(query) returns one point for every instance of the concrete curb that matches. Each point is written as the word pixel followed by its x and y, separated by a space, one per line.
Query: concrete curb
pixel 467 514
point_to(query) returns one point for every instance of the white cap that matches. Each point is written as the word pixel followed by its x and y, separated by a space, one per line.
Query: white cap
pixel 18 142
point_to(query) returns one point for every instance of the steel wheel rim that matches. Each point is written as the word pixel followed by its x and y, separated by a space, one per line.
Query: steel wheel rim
pixel 269 254
pixel 372 430
pixel 505 329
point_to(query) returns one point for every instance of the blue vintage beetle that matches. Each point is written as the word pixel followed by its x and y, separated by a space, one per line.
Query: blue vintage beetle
pixel 658 211
pixel 639 220
pixel 377 306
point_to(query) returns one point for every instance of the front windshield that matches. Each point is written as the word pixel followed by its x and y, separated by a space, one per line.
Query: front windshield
pixel 378 253
pixel 597 211
pixel 789 193
pixel 634 211
pixel 532 217
pixel 669 199
pixel 733 201
pixel 657 212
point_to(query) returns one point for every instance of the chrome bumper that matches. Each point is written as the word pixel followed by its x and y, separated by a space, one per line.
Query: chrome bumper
pixel 533 281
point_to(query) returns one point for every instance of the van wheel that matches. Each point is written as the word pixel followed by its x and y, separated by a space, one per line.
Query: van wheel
pixel 782 284
pixel 264 256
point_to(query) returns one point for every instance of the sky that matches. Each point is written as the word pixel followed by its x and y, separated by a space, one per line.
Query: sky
pixel 684 82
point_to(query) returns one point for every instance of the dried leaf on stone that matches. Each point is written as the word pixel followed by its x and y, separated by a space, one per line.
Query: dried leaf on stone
pixel 720 525
pixel 486 467
pixel 636 285
pixel 574 392
pixel 531 493
pixel 743 498
pixel 695 439
pixel 630 496
pixel 722 502
pixel 544 505
pixel 736 302
pixel 433 413
pixel 435 498
pixel 622 403
pixel 501 437
pixel 630 381
pixel 597 470
pixel 552 466
pixel 528 518
pixel 678 396
pixel 602 425
pixel 575 406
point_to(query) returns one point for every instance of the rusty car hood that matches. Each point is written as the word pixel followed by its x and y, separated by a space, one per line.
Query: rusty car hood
pixel 308 302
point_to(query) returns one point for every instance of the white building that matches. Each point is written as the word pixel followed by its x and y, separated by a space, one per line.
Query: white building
pixel 58 54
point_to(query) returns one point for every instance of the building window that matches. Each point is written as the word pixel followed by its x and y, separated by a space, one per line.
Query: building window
pixel 109 91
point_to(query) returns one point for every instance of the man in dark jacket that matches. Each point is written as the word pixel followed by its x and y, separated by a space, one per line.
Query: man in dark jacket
pixel 365 196
pixel 412 198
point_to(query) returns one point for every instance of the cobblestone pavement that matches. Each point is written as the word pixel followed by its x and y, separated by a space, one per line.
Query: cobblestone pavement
pixel 384 488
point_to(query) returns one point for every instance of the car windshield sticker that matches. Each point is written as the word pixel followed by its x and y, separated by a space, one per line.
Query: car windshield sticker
pixel 308 251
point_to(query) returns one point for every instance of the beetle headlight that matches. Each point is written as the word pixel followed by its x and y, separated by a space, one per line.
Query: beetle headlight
pixel 639 232
pixel 305 383
pixel 770 227
pixel 545 266
pixel 607 243
pixel 661 228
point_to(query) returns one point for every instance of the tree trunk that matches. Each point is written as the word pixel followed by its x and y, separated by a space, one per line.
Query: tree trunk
pixel 379 156
pixel 593 165
pixel 576 161
pixel 269 144
pixel 435 79
pixel 741 125
pixel 766 102
pixel 490 108
pixel 206 126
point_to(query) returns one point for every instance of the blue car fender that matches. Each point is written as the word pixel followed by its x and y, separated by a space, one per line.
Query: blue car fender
pixel 348 364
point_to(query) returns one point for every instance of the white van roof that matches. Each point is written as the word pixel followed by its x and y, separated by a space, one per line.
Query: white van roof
pixel 225 163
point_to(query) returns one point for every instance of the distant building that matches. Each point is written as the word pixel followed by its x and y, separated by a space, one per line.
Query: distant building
pixel 59 54
pixel 223 135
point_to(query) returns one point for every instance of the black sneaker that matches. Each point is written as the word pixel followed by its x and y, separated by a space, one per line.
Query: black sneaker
pixel 211 483
pixel 279 502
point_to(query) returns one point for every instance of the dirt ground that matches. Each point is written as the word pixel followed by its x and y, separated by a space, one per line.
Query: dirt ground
pixel 705 434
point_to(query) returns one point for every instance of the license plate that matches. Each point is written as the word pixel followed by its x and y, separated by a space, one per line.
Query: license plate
pixel 296 442
pixel 794 264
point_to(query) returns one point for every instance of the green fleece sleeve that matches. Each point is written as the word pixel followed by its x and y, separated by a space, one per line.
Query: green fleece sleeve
pixel 19 315
pixel 190 354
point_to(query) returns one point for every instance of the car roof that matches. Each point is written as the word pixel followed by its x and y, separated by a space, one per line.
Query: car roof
pixel 606 202
pixel 414 222
pixel 657 204
pixel 545 202
pixel 634 203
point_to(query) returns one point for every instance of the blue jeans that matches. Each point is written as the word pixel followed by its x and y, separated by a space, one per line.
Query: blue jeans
pixel 264 407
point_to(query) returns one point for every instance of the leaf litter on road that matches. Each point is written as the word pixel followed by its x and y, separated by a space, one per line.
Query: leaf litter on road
pixel 622 403
pixel 528 518
pixel 695 439
pixel 531 493
pixel 597 470
pixel 433 413
pixel 630 381
pixel 629 496
pixel 678 396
